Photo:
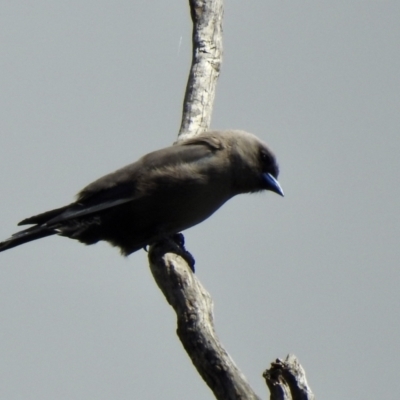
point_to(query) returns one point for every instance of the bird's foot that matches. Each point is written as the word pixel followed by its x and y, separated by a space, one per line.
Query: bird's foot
pixel 176 244
pixel 179 241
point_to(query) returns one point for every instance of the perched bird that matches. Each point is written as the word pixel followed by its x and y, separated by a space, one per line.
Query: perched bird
pixel 161 194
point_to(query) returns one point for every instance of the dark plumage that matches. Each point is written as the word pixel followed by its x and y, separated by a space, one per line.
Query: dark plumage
pixel 162 193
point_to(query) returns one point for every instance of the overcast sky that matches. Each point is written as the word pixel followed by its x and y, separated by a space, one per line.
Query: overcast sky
pixel 89 86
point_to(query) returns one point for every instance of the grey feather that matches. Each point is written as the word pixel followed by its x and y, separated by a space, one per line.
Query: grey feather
pixel 164 192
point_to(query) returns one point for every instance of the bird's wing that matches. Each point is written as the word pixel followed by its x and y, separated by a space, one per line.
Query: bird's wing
pixel 120 186
pixel 123 182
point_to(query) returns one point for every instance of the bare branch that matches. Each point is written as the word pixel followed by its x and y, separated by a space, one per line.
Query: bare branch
pixel 170 263
pixel 191 302
pixel 194 309
pixel 286 380
pixel 206 62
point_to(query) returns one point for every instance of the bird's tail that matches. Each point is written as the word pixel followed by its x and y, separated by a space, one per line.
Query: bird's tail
pixel 40 230
pixel 27 235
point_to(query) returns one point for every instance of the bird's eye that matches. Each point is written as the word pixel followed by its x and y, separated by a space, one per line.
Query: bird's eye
pixel 265 158
pixel 268 163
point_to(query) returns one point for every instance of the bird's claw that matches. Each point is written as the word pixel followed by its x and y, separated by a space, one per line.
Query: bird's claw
pixel 179 240
pixel 175 244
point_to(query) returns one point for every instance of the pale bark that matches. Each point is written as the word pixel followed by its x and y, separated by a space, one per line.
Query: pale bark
pixel 194 309
pixel 168 259
pixel 286 380
pixel 206 63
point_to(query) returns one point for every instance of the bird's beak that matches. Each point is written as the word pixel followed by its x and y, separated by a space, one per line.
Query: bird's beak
pixel 273 184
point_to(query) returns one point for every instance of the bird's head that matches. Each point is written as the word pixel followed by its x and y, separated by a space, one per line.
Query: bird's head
pixel 256 168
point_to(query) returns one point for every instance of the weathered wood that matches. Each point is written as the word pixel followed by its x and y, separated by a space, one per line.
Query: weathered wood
pixel 286 380
pixel 169 259
pixel 206 63
pixel 191 302
pixel 194 309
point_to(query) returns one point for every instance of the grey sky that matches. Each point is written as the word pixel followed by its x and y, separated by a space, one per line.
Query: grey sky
pixel 87 87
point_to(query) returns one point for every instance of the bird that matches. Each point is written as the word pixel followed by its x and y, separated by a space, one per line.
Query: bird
pixel 163 193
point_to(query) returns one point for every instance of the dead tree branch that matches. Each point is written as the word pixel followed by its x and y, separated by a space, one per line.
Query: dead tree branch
pixel 286 380
pixel 206 63
pixel 168 259
pixel 194 309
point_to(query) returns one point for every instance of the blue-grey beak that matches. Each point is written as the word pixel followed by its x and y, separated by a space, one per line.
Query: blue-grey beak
pixel 273 184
